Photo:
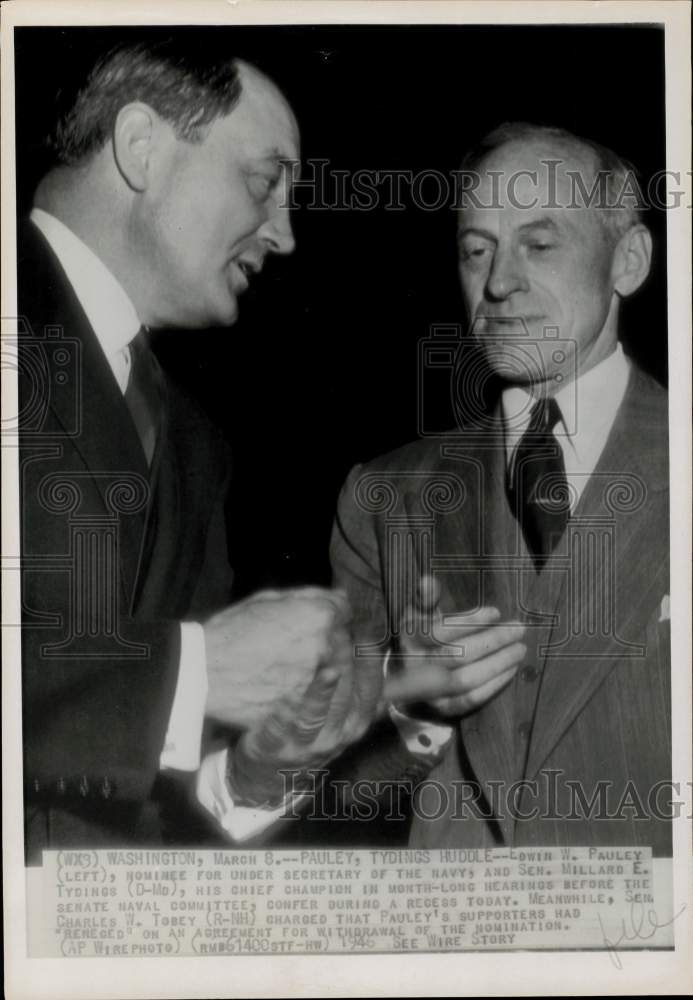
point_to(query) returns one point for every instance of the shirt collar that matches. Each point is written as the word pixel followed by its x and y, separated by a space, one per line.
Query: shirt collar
pixel 588 408
pixel 104 300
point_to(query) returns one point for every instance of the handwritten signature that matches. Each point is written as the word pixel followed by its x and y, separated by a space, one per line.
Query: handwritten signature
pixel 641 925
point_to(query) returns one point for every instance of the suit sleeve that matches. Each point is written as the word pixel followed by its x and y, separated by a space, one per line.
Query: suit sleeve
pixel 361 570
pixel 97 708
pixel 95 724
pixel 215 581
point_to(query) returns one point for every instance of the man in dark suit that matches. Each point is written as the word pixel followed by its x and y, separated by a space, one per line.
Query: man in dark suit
pixel 519 566
pixel 170 192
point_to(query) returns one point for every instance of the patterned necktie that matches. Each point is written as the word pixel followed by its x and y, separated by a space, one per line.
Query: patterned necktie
pixel 537 487
pixel 142 394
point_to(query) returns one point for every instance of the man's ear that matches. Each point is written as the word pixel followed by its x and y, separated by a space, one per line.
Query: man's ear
pixel 133 139
pixel 632 259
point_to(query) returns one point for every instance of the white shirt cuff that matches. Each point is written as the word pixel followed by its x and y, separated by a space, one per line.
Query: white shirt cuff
pixel 239 822
pixel 422 737
pixel 182 745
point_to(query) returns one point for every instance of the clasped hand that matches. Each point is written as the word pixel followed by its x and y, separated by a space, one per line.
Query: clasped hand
pixel 281 669
pixel 453 663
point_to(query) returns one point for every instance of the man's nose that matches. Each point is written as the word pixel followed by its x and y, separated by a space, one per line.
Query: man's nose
pixel 505 276
pixel 276 232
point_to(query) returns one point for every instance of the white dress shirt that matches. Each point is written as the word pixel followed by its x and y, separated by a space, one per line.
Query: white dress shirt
pixel 115 323
pixel 588 409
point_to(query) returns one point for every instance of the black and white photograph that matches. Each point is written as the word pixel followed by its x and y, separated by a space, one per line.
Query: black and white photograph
pixel 346 442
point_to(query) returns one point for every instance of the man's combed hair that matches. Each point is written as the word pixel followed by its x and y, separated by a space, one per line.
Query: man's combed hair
pixel 186 89
pixel 614 189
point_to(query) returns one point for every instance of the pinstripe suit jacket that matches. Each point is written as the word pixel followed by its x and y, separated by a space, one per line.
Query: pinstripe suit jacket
pixel 577 749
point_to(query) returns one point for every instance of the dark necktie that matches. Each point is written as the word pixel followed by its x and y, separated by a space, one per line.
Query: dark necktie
pixel 142 394
pixel 537 487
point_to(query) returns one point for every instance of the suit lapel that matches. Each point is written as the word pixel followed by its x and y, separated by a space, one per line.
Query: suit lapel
pixel 90 407
pixel 492 543
pixel 153 512
pixel 604 606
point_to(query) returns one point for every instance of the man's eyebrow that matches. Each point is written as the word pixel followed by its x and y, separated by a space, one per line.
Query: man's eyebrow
pixel 275 153
pixel 282 159
pixel 476 231
pixel 545 222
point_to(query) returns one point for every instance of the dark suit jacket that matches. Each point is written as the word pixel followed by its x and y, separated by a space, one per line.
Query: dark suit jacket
pixel 586 723
pixel 114 555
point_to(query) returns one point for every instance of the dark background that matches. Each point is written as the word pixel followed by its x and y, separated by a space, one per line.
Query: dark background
pixel 321 369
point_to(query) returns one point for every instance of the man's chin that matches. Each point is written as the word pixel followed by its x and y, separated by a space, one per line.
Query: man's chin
pixel 198 316
pixel 225 313
pixel 516 365
pixel 230 318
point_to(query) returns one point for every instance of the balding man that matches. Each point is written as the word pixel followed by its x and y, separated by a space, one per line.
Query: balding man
pixel 543 527
pixel 170 192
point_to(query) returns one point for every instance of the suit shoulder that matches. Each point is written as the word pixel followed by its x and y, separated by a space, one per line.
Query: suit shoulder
pixel 421 455
pixel 650 396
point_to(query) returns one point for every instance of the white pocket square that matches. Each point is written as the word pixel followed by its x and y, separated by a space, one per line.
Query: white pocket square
pixel 664 614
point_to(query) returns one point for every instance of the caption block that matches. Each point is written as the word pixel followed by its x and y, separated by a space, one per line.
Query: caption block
pixel 151 903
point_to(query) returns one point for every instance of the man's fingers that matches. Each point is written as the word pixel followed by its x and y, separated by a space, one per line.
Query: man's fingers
pixel 433 630
pixel 308 593
pixel 427 594
pixel 340 648
pixel 314 708
pixel 294 720
pixel 342 605
pixel 422 611
pixel 471 621
pixel 453 648
pixel 331 599
pixel 421 681
pixel 469 678
pixel 444 677
pixel 463 704
pixel 470 647
pixel 266 595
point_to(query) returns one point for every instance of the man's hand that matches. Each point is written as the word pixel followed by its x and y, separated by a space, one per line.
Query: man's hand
pixel 299 734
pixel 268 647
pixel 455 663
